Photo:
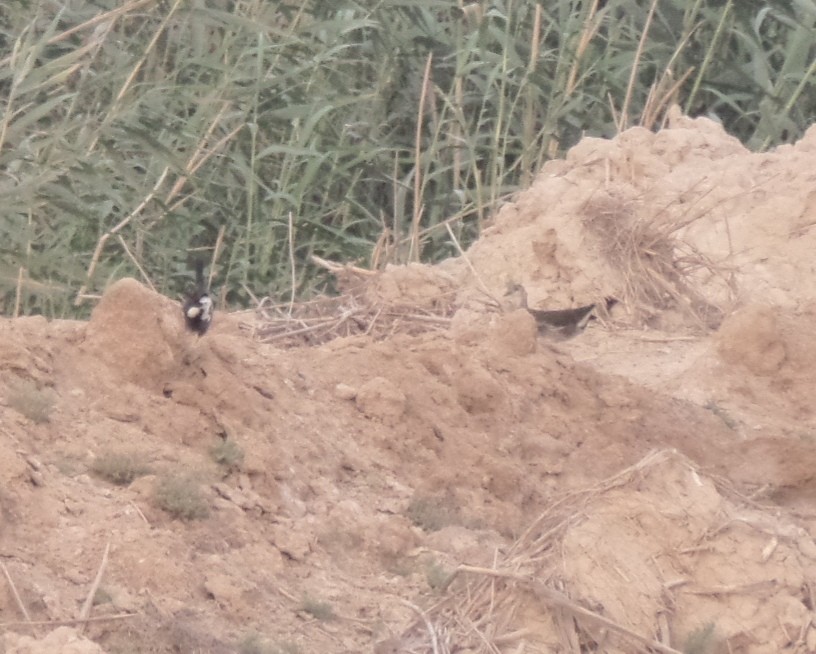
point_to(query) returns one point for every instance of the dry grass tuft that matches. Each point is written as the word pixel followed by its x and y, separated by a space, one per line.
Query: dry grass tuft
pixel 658 268
pixel 228 453
pixel 437 575
pixel 318 609
pixel 181 497
pixel 120 468
pixel 432 513
pixel 101 596
pixel 702 640
pixel 26 397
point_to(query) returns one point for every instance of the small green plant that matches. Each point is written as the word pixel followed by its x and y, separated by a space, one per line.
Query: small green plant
pixel 101 596
pixel 317 608
pixel 35 403
pixel 120 468
pixel 228 453
pixel 432 513
pixel 181 497
pixel 701 640
pixel 722 414
pixel 437 575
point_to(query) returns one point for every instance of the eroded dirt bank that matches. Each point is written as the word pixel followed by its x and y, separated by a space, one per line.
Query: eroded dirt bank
pixel 656 471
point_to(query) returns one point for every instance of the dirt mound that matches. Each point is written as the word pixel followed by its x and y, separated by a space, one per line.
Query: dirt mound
pixel 683 224
pixel 658 553
pixel 316 492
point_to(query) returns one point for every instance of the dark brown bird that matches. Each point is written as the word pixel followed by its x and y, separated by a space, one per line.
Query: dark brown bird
pixel 559 324
pixel 198 307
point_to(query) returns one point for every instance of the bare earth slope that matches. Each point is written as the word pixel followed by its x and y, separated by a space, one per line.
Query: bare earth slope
pixel 654 473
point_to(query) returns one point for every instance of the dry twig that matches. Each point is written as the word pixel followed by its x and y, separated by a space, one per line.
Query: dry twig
pixel 560 600
pixel 428 625
pixel 86 608
pixel 56 623
pixel 14 592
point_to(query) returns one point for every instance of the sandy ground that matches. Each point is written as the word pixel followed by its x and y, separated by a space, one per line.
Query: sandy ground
pixel 450 485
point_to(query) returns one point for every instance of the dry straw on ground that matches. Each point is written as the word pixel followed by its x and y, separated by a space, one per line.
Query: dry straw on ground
pixel 658 268
pixel 355 312
pixel 481 608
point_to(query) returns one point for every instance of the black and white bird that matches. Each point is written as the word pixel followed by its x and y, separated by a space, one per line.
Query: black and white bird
pixel 559 324
pixel 198 307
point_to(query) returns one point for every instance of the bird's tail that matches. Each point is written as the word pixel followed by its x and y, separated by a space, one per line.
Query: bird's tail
pixel 201 287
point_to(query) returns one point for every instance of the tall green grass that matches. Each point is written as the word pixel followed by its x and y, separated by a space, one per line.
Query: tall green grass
pixel 136 135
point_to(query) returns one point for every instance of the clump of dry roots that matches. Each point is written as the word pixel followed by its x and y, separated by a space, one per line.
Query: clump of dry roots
pixel 360 309
pixel 659 269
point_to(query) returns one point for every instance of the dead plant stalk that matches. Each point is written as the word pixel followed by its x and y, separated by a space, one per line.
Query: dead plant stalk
pixel 418 206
